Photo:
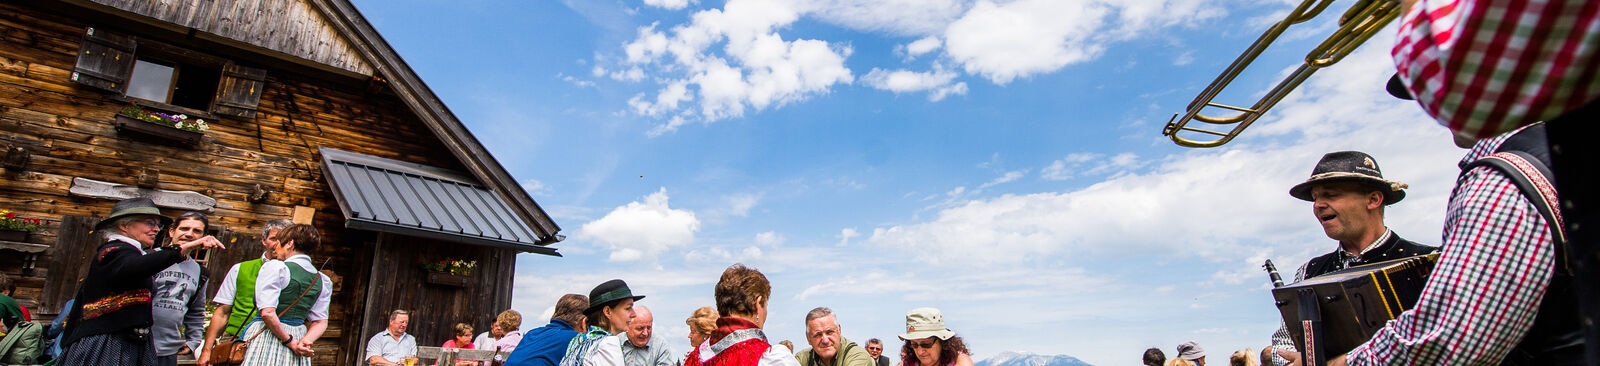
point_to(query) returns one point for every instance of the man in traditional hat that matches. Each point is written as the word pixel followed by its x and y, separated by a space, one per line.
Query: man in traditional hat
pixel 828 346
pixel 1502 290
pixel 1348 194
pixel 110 320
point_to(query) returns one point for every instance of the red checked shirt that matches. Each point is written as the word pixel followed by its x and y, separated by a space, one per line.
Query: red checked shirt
pixel 1494 266
pixel 1483 67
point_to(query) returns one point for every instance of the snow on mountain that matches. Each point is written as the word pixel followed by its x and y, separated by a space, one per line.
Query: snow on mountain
pixel 1011 358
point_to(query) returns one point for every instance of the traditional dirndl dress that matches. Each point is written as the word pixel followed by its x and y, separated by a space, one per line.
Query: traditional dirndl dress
pixel 269 351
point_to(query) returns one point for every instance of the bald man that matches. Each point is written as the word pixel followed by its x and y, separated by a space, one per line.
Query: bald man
pixel 639 348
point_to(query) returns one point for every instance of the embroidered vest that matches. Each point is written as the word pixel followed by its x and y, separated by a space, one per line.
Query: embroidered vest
pixel 299 278
pixel 244 295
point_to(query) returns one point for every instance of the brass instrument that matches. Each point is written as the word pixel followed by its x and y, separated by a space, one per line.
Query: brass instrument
pixel 1364 19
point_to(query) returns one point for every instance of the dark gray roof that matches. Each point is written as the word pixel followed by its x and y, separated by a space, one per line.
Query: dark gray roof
pixel 412 199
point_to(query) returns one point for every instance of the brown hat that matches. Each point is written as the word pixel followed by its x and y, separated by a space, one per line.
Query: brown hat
pixel 1350 166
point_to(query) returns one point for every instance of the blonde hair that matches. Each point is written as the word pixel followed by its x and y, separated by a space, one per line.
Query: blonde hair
pixel 1178 362
pixel 509 321
pixel 703 320
pixel 463 329
pixel 1243 357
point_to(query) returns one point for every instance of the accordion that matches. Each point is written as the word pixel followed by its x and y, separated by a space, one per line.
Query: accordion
pixel 1338 311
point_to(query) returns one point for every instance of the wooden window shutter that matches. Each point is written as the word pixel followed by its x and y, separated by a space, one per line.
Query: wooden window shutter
pixel 105 60
pixel 239 91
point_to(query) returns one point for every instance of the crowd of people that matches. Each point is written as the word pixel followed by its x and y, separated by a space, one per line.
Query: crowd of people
pixel 609 328
pixel 1191 354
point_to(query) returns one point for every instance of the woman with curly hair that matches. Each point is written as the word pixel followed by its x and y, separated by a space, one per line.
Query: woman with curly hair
pixel 701 323
pixel 930 343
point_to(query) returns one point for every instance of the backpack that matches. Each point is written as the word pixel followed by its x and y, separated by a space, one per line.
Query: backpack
pixel 24 345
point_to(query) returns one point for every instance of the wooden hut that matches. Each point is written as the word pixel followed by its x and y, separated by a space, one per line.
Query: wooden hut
pixel 312 117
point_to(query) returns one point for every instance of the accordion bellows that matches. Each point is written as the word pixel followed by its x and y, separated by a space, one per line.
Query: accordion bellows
pixel 1355 302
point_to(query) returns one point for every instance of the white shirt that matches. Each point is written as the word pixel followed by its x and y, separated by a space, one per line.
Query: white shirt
pixel 275 276
pixel 484 341
pixel 125 239
pixel 230 285
pixel 606 352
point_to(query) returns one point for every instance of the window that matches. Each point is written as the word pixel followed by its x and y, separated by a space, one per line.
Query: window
pixel 175 83
pixel 167 77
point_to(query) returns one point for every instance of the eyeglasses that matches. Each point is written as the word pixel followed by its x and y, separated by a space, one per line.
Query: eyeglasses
pixel 871 348
pixel 151 223
pixel 924 345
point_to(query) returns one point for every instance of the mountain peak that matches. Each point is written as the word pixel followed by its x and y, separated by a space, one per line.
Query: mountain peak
pixel 1021 358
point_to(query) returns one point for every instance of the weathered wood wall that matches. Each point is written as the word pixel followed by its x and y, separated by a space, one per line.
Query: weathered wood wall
pixel 435 309
pixel 288 26
pixel 68 130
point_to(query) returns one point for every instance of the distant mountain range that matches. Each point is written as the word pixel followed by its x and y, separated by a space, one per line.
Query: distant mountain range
pixel 1010 358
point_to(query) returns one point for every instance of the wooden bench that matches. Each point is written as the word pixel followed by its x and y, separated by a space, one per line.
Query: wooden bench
pixel 449 356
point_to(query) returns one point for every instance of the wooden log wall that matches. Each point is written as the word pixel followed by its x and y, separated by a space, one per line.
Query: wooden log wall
pixel 67 129
pixel 435 309
pixel 288 26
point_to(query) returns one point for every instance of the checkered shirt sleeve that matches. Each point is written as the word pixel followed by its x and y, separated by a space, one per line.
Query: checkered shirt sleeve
pixel 1483 67
pixel 1495 263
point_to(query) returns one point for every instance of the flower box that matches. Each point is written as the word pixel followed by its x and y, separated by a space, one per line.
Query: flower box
pixel 127 124
pixel 13 235
pixel 446 279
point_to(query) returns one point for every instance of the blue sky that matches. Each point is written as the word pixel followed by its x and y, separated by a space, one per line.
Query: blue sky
pixel 999 160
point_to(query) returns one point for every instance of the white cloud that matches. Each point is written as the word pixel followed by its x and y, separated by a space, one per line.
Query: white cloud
pixel 668 4
pixel 1007 40
pixel 1004 41
pixel 1212 204
pixel 755 69
pixel 1003 179
pixel 846 234
pixel 642 229
pixel 897 17
pixel 533 186
pixel 740 204
pixel 922 46
pixel 938 82
pixel 1087 164
pixel 770 238
pixel 1184 59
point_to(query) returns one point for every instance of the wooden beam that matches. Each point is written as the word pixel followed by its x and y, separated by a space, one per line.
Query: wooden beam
pixel 186 200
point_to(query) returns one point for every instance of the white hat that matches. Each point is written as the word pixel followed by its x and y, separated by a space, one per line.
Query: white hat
pixel 925 322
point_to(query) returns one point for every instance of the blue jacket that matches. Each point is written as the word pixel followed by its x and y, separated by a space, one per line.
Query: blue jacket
pixel 543 346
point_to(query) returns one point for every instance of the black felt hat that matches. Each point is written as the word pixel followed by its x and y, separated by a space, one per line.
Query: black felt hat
pixel 608 292
pixel 1350 166
pixel 133 207
pixel 1398 89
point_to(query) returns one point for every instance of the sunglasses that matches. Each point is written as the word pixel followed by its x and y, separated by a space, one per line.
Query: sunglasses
pixel 151 223
pixel 923 345
pixel 871 348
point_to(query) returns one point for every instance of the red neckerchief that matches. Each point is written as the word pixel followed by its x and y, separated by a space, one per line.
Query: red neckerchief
pixel 728 324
